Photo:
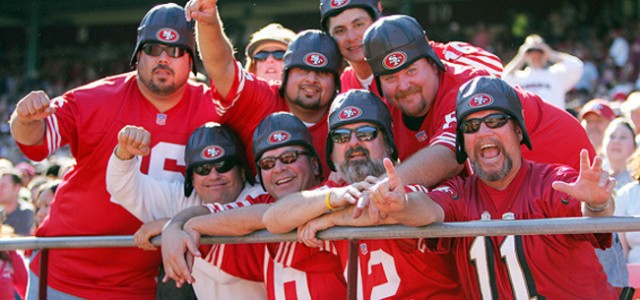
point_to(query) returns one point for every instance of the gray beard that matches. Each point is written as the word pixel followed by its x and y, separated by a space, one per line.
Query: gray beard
pixel 495 176
pixel 358 170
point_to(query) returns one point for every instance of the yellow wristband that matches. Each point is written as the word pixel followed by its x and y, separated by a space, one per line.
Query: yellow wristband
pixel 326 201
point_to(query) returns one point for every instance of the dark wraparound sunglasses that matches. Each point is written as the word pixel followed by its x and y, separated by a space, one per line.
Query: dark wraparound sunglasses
pixel 263 55
pixel 492 121
pixel 363 133
pixel 221 167
pixel 156 50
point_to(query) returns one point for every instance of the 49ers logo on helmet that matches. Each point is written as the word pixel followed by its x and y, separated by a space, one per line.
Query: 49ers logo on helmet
pixel 480 100
pixel 278 137
pixel 349 112
pixel 167 35
pixel 212 152
pixel 394 60
pixel 338 3
pixel 315 59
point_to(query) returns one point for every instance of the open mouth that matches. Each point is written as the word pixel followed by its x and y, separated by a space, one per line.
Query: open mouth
pixel 284 180
pixel 489 152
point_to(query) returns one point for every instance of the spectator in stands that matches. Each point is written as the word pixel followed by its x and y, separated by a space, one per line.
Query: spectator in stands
pixel 618 144
pixel 13 273
pixel 619 49
pixel 265 51
pixel 19 213
pixel 631 109
pixel 595 116
pixel 628 204
pixel 44 197
pixel 547 72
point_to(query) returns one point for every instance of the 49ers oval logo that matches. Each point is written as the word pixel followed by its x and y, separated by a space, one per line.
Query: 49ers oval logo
pixel 315 59
pixel 212 152
pixel 479 100
pixel 278 137
pixel 167 35
pixel 394 60
pixel 338 3
pixel 349 112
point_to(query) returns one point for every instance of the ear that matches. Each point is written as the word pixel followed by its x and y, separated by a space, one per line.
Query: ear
pixel 519 133
pixel 316 166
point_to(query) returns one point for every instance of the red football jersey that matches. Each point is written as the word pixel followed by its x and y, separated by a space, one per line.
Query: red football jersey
pixel 523 267
pixel 401 269
pixel 249 101
pixel 88 119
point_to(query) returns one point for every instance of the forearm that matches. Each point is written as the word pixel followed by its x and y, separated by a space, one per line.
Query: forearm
pixel 514 65
pixel 295 210
pixel 179 220
pixel 420 210
pixel 217 53
pixel 27 133
pixel 234 222
pixel 441 164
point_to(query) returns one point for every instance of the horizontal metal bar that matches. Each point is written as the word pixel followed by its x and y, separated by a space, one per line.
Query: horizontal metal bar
pixel 448 229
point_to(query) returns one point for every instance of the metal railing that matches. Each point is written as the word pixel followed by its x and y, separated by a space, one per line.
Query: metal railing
pixel 448 229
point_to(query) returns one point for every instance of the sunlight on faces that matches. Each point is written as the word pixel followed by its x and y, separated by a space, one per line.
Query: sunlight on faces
pixel 355 159
pixel 163 75
pixel 284 179
pixel 271 68
pixel 219 187
pixel 493 151
pixel 310 89
pixel 347 29
pixel 619 142
pixel 412 89
pixel 43 205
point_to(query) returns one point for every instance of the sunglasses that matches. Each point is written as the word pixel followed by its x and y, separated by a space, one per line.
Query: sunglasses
pixel 364 134
pixel 156 50
pixel 221 167
pixel 263 55
pixel 492 121
pixel 289 157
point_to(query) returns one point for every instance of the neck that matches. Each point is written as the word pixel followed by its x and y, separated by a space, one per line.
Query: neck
pixel 162 102
pixel 362 69
pixel 617 167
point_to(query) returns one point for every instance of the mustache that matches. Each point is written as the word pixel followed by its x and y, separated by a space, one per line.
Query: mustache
pixel 411 90
pixel 348 153
pixel 162 67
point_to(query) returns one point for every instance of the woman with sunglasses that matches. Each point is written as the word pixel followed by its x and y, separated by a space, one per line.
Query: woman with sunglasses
pixel 217 171
pixel 265 51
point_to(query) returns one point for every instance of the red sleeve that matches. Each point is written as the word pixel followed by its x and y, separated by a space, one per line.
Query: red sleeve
pixel 60 129
pixel 20 277
pixel 462 53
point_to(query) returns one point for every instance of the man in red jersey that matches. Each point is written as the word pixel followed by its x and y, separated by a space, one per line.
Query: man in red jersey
pixel 359 139
pixel 346 22
pixel 310 80
pixel 288 163
pixel 507 186
pixel 421 90
pixel 158 97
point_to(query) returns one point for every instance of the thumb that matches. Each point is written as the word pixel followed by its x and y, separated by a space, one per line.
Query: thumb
pixel 193 249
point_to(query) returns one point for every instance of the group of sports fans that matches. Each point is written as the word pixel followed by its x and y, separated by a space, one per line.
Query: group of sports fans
pixel 411 132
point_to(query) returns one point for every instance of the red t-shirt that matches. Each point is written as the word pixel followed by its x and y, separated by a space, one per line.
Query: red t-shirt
pixel 249 101
pixel 543 266
pixel 88 119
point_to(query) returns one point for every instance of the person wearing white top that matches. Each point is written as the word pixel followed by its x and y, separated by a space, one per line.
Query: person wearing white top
pixel 216 170
pixel 548 73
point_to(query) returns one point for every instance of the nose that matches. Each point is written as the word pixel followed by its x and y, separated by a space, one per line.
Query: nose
pixel 353 139
pixel 484 130
pixel 312 77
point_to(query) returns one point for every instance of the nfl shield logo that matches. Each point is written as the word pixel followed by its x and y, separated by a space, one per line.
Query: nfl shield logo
pixel 161 119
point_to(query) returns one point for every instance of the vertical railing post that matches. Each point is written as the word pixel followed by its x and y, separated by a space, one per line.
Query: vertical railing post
pixel 352 270
pixel 44 262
